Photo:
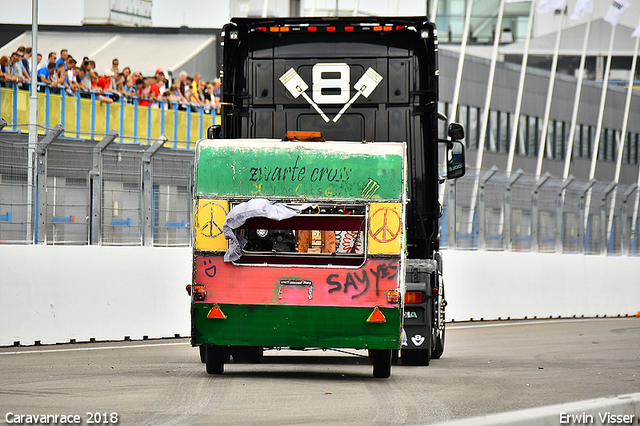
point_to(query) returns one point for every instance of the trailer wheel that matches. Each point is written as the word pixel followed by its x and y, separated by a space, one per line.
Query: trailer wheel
pixel 203 353
pixel 214 359
pixel 381 363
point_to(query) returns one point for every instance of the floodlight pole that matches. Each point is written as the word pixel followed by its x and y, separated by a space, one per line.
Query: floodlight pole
pixel 33 117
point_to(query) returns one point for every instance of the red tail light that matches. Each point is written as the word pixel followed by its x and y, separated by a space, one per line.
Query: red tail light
pixel 413 297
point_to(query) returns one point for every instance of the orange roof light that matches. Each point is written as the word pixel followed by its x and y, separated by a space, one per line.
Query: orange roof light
pixel 293 135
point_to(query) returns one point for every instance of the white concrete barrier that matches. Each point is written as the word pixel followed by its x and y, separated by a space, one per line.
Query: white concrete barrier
pixel 491 285
pixel 53 294
pixel 623 410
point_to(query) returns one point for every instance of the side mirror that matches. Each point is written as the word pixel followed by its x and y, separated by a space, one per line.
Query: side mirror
pixel 455 157
pixel 456 132
pixel 214 132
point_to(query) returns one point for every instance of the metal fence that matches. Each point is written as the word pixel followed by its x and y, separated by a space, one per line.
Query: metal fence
pixel 518 212
pixel 94 192
pixel 104 192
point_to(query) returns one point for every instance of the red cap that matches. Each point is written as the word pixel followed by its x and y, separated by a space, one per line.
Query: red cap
pixel 159 71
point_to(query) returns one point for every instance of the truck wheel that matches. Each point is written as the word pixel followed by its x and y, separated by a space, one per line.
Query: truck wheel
pixel 438 348
pixel 381 363
pixel 214 359
pixel 203 353
pixel 416 356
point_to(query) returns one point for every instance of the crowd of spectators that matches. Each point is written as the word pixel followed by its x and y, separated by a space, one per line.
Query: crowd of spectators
pixel 64 73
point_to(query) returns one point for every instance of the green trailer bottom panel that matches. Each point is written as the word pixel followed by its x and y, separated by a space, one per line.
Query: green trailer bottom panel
pixel 293 326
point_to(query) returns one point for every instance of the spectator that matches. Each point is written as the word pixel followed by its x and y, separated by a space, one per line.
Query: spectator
pixel 141 86
pixel 183 82
pixel 163 83
pixel 61 77
pixel 82 79
pixel 26 60
pixel 51 58
pixel 45 74
pixel 15 68
pixel 106 81
pixel 114 66
pixel 152 91
pixel 202 87
pixel 196 82
pixel 64 55
pixel 216 95
pixel 127 72
pixel 39 59
pixel 4 68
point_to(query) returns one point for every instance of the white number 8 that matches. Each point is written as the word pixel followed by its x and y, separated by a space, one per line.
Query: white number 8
pixel 336 78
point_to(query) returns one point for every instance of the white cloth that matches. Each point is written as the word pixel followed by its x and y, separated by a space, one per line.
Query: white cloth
pixel 258 207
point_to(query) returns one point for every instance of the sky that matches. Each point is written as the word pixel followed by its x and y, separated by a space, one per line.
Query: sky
pixel 192 13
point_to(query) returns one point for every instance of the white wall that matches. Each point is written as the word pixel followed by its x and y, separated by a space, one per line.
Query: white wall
pixel 57 293
pixel 493 285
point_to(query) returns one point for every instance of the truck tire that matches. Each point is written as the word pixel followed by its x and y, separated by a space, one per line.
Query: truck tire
pixel 381 363
pixel 438 348
pixel 203 353
pixel 214 359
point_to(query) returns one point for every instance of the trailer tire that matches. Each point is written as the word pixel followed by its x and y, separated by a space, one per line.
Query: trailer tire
pixel 203 353
pixel 214 359
pixel 381 363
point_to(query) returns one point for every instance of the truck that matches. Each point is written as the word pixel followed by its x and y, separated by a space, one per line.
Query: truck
pixel 316 200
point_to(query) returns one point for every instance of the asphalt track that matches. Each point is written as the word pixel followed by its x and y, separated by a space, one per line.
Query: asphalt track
pixel 487 367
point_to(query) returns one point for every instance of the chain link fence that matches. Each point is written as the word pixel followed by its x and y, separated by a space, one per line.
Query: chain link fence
pixel 552 215
pixel 69 191
pixel 79 192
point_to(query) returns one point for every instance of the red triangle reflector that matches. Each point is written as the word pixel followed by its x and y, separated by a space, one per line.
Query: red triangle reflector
pixel 216 313
pixel 376 316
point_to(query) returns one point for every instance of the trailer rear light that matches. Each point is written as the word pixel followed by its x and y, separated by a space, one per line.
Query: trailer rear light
pixel 413 297
pixel 198 292
pixel 331 28
pixel 348 28
pixel 392 296
pixel 311 29
pixel 189 289
pixel 435 290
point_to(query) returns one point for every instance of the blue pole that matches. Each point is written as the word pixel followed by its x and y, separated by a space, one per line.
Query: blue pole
pixel 93 114
pixel 78 109
pixel 15 105
pixel 107 119
pixel 135 118
pixel 121 118
pixel 162 117
pixel 201 121
pixel 188 135
pixel 63 102
pixel 175 124
pixel 149 124
pixel 47 97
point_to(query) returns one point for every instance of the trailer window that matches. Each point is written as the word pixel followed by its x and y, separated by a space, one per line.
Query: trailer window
pixel 325 234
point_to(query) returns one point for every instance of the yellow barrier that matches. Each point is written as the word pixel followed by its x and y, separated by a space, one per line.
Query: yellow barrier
pixel 182 127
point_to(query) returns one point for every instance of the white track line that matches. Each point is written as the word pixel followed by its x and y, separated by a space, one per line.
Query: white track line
pixel 92 349
pixel 453 326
